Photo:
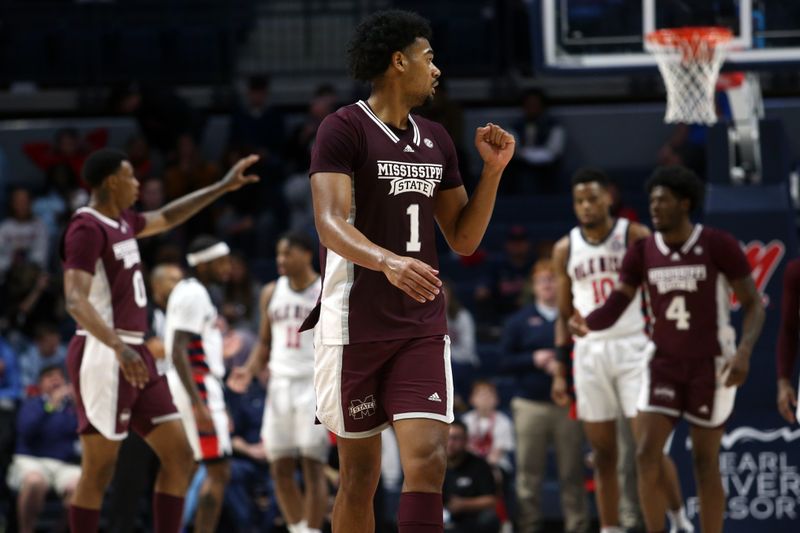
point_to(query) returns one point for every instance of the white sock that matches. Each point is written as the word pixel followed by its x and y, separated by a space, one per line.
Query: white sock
pixel 312 530
pixel 679 521
pixel 612 529
pixel 300 527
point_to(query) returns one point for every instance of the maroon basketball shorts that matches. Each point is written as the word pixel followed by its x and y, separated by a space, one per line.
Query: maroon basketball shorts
pixel 692 388
pixel 106 402
pixel 362 388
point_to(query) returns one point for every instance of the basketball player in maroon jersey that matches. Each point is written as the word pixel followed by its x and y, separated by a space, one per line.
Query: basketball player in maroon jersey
pixel 688 271
pixel 116 383
pixel 380 178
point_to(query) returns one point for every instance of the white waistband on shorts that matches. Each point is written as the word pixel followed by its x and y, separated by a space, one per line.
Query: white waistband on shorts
pixel 134 338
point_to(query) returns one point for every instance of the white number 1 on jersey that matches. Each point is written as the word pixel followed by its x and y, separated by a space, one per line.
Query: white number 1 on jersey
pixel 413 244
pixel 677 311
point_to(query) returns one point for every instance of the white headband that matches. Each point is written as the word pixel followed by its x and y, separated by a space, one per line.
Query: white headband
pixel 209 254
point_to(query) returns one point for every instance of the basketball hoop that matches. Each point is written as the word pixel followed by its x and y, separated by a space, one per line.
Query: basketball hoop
pixel 689 60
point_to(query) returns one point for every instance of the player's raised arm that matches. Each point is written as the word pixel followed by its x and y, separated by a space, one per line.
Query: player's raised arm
pixel 183 208
pixel 241 376
pixel 332 201
pixel 77 285
pixel 463 221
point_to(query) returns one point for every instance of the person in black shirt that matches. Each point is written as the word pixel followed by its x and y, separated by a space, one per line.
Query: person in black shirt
pixel 469 488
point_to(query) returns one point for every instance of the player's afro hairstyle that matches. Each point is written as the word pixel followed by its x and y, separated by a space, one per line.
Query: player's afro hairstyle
pixel 683 183
pixel 590 175
pixel 380 35
pixel 101 164
pixel 300 240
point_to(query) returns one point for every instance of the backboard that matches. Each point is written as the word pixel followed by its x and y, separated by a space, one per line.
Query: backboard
pixel 608 35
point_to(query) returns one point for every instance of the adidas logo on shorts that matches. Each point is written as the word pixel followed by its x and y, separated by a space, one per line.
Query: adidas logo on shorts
pixel 434 397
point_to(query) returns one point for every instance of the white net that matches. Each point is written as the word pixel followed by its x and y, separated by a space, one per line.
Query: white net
pixel 689 60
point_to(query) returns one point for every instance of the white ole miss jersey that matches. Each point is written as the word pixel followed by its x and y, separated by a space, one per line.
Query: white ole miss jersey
pixel 190 309
pixel 594 271
pixel 291 352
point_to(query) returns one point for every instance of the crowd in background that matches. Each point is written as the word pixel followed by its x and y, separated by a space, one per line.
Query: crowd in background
pixel 505 401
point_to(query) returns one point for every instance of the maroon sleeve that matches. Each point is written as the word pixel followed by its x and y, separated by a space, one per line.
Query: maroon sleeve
pixel 83 245
pixel 728 256
pixel 336 147
pixel 135 219
pixel 790 320
pixel 607 314
pixel 632 270
pixel 452 175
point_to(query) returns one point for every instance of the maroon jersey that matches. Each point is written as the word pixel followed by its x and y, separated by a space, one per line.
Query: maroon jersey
pixel 396 175
pixel 688 290
pixel 107 249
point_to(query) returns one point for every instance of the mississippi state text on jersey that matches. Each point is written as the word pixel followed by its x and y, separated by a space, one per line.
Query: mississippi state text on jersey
pixel 689 291
pixel 396 175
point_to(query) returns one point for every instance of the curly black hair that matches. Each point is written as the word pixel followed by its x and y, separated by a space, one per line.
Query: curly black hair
pixel 683 183
pixel 101 164
pixel 380 35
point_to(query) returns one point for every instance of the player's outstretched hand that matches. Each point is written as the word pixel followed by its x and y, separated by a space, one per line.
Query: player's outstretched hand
pixel 239 379
pixel 417 279
pixel 787 401
pixel 132 366
pixel 495 145
pixel 736 369
pixel 236 178
pixel 577 325
pixel 558 391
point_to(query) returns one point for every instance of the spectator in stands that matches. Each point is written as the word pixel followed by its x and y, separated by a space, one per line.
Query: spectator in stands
pixel 491 432
pixel 139 156
pixel 188 171
pixel 256 126
pixel 23 236
pixel 46 351
pixel 241 293
pixel 501 293
pixel 10 394
pixel 163 116
pixel 540 146
pixel 469 488
pixel 298 150
pixel 67 150
pixel 29 296
pixel 247 490
pixel 47 444
pixel 152 197
pixel 527 352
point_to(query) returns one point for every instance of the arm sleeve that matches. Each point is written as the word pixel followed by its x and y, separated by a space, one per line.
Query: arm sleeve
pixel 728 256
pixel 452 175
pixel 607 315
pixel 632 270
pixel 83 246
pixel 336 146
pixel 185 312
pixel 790 320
